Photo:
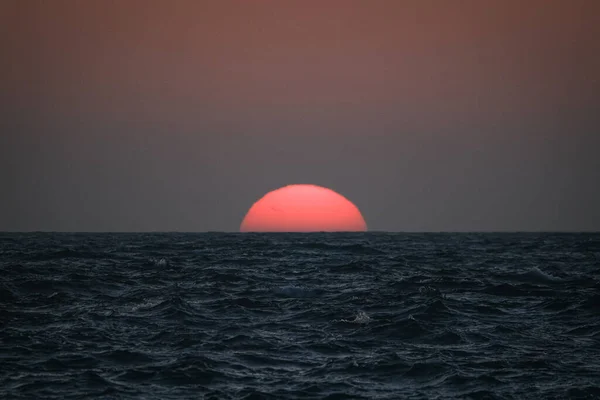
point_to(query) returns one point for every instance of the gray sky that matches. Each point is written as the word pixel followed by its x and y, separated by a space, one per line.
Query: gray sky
pixel 428 115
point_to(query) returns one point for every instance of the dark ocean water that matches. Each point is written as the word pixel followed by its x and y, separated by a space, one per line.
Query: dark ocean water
pixel 306 316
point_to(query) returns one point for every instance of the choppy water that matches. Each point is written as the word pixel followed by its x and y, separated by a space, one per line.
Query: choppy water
pixel 307 316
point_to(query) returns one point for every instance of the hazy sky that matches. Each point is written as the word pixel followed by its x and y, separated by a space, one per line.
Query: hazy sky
pixel 178 115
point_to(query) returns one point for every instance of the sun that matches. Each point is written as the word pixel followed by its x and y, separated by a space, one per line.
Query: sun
pixel 303 208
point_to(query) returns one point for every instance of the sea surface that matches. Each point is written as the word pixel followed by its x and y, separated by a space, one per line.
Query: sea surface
pixel 299 316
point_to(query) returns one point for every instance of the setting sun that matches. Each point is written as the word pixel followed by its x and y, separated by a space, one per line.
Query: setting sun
pixel 303 208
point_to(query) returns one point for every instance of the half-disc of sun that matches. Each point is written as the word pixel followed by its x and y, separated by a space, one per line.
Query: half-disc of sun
pixel 303 208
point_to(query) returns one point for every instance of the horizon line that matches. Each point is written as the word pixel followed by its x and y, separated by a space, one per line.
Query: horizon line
pixel 311 232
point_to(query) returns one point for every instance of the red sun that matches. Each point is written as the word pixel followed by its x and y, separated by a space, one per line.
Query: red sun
pixel 303 208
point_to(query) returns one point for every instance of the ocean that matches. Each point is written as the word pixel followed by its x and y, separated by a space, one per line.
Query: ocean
pixel 299 316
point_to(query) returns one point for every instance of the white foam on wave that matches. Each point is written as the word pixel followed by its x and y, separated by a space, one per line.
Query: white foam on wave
pixel 161 262
pixel 430 291
pixel 360 318
pixel 537 273
pixel 294 291
pixel 147 303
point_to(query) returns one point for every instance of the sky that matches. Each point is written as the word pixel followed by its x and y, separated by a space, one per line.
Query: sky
pixel 179 115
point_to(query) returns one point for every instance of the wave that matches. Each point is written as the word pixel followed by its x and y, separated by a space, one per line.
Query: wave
pixel 296 291
pixel 537 275
pixel 505 290
pixel 51 255
pixel 360 318
pixel 343 248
